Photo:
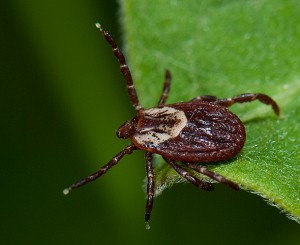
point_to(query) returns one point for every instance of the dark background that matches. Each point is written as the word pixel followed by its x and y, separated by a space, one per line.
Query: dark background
pixel 62 98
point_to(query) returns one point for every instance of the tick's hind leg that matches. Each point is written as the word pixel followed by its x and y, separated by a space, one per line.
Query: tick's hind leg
pixel 242 98
pixel 166 88
pixel 213 175
pixel 150 185
pixel 188 176
pixel 128 150
pixel 208 98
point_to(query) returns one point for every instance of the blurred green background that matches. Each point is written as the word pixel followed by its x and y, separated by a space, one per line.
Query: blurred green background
pixel 62 100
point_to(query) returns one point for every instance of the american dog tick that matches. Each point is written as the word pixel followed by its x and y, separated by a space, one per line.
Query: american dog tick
pixel 202 130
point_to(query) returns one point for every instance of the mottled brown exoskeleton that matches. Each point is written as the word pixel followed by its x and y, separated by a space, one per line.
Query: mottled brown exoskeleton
pixel 202 130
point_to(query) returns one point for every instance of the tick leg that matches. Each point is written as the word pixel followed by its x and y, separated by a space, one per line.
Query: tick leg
pixel 242 98
pixel 208 98
pixel 166 88
pixel 123 67
pixel 150 185
pixel 188 176
pixel 128 150
pixel 212 175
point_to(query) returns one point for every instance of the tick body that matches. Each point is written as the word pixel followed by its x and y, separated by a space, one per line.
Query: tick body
pixel 201 130
pixel 196 131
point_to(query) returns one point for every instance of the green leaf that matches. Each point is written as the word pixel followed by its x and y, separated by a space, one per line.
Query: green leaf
pixel 225 48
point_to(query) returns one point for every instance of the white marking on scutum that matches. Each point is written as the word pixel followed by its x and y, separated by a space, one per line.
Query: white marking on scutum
pixel 168 123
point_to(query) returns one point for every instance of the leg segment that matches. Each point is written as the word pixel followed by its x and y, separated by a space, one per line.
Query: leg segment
pixel 166 88
pixel 150 185
pixel 188 176
pixel 123 67
pixel 213 175
pixel 128 150
pixel 242 98
pixel 208 98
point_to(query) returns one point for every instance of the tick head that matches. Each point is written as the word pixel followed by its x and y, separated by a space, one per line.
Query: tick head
pixel 127 129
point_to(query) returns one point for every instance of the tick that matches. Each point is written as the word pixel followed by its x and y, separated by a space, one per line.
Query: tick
pixel 201 130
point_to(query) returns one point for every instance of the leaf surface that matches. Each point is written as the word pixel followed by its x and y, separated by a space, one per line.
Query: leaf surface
pixel 225 48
